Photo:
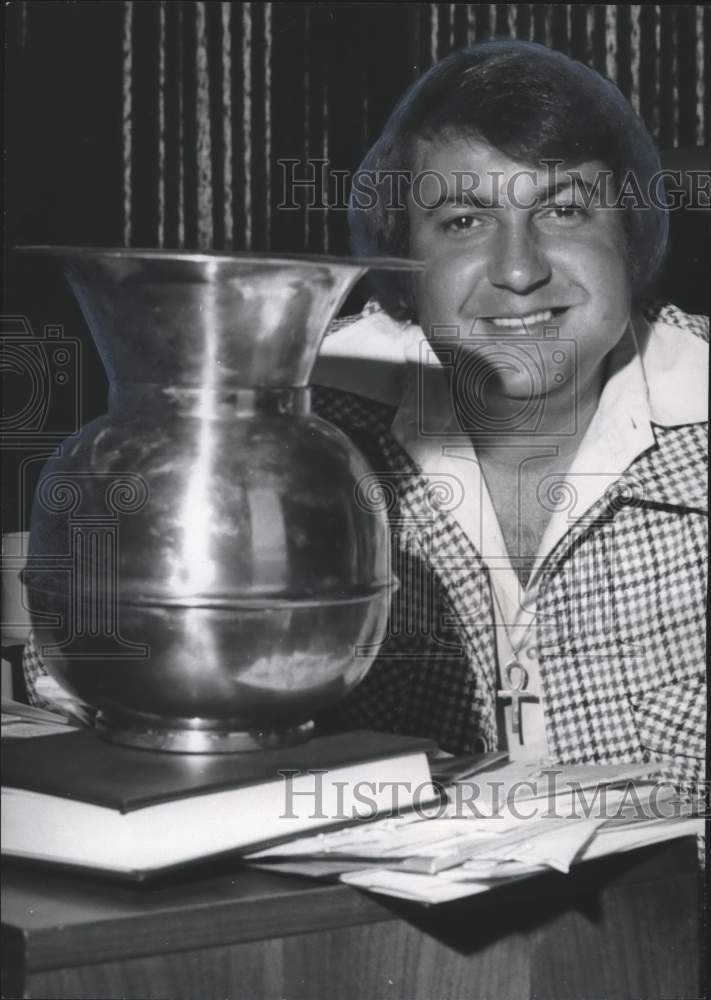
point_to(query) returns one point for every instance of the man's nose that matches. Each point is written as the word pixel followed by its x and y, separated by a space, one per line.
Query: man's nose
pixel 517 262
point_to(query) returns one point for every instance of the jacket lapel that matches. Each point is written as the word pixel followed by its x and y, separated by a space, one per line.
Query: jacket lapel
pixel 426 501
pixel 664 477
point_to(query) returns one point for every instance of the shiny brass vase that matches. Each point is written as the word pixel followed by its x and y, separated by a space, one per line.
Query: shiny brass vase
pixel 201 571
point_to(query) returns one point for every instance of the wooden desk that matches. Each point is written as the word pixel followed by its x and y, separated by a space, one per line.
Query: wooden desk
pixel 627 927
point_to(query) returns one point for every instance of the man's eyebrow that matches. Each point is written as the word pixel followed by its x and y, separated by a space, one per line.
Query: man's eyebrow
pixel 459 201
pixel 544 194
pixel 556 187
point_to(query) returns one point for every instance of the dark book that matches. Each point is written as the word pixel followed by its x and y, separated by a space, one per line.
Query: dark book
pixel 78 800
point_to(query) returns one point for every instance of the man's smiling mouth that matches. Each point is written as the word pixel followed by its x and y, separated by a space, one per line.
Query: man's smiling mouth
pixel 527 319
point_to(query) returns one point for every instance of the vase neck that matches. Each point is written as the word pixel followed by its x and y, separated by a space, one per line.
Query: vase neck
pixel 216 322
pixel 227 403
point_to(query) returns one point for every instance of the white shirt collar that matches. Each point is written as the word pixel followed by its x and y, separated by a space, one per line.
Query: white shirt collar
pixel 658 369
pixel 657 374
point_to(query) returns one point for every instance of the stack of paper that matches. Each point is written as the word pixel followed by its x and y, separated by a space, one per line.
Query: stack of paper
pixel 504 825
pixel 21 721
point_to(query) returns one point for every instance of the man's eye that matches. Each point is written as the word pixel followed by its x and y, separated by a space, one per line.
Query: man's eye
pixel 460 224
pixel 564 213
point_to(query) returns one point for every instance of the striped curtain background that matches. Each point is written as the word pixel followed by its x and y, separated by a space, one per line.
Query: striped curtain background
pixel 215 93
pixel 209 97
pixel 162 124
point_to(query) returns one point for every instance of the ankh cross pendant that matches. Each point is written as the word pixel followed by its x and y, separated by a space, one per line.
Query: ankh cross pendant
pixel 516 692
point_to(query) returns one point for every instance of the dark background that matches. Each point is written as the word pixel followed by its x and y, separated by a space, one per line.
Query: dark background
pixel 152 124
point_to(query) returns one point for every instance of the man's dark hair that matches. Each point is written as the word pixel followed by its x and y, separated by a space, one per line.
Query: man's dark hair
pixel 534 105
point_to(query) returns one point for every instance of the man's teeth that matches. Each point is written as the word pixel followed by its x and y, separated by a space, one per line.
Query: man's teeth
pixel 545 316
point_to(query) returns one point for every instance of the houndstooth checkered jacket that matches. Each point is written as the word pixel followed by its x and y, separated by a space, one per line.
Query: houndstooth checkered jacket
pixel 624 685
pixel 623 689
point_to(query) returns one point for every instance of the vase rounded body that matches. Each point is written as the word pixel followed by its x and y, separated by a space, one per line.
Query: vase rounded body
pixel 201 568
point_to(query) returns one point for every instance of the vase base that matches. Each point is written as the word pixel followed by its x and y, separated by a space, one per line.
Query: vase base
pixel 195 740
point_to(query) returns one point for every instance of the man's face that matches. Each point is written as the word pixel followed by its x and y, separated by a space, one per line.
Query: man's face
pixel 522 260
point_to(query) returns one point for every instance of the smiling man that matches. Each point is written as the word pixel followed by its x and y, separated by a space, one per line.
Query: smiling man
pixel 536 423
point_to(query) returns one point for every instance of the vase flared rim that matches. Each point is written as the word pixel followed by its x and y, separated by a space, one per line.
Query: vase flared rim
pixel 207 256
